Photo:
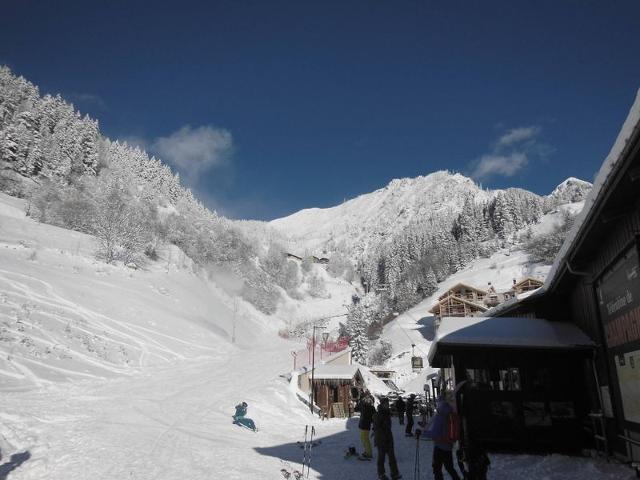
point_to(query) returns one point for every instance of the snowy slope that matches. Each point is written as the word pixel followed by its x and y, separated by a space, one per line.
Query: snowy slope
pixel 64 315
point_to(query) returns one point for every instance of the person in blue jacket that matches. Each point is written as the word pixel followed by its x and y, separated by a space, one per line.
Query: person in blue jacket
pixel 240 419
pixel 442 447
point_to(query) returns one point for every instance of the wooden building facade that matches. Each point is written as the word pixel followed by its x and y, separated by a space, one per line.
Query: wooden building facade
pixel 332 386
pixel 595 284
pixel 518 375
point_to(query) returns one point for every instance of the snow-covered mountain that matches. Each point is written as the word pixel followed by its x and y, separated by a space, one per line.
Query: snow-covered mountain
pixel 360 223
pixel 571 190
pixel 373 216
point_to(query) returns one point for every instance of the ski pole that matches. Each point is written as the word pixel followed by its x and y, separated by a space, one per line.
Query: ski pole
pixel 313 431
pixel 304 448
pixel 416 466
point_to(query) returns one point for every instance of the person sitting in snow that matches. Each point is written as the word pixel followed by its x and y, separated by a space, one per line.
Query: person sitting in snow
pixel 384 440
pixel 442 445
pixel 240 419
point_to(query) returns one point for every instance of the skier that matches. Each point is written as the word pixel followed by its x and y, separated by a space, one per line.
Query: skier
pixel 384 440
pixel 240 419
pixel 410 406
pixel 400 409
pixel 442 442
pixel 367 411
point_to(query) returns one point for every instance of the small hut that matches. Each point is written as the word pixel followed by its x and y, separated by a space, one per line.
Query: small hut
pixel 332 388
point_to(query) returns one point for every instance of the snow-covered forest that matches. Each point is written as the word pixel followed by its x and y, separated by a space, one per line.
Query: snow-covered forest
pixel 76 178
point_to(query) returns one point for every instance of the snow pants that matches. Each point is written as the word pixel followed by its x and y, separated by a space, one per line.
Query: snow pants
pixel 383 451
pixel 245 422
pixel 444 458
pixel 366 443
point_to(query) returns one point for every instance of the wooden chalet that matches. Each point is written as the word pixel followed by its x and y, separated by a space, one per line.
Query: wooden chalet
pixel 332 386
pixel 460 301
pixel 465 291
pixel 594 284
pixel 526 285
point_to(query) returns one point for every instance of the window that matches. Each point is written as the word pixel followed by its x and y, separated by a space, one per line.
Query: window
pixel 510 379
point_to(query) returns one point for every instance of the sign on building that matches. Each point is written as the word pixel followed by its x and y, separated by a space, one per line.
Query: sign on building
pixel 619 303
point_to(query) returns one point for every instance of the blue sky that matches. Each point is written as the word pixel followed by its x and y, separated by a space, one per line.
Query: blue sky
pixel 268 107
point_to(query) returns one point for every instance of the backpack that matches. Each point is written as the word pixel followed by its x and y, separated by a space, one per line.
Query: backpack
pixel 451 429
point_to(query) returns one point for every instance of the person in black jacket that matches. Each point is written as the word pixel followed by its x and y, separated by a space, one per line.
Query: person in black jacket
pixel 367 411
pixel 400 409
pixel 384 440
pixel 410 406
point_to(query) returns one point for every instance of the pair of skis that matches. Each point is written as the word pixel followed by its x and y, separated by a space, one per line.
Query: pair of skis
pixel 307 445
pixel 309 433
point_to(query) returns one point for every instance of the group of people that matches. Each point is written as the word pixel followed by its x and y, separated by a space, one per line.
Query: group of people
pixel 380 421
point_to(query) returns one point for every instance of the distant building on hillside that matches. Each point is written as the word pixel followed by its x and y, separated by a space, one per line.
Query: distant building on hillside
pixel 526 285
pixel 460 300
pixel 463 300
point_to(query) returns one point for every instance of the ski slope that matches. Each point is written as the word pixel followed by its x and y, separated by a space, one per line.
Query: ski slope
pixel 112 373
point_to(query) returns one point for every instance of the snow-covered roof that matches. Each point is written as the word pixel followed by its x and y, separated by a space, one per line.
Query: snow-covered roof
pixel 335 372
pixel 459 286
pixel 516 299
pixel 605 175
pixel 373 383
pixel 436 307
pixel 508 332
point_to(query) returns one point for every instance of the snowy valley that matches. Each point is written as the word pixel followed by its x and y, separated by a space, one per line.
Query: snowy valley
pixel 133 319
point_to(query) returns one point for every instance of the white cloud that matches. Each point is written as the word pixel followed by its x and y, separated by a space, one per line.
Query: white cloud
pixel 510 153
pixel 517 135
pixel 194 151
pixel 495 164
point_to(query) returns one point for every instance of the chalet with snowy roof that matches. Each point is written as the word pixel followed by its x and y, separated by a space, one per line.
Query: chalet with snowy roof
pixel 462 290
pixel 461 300
pixel 594 285
pixel 526 285
pixel 331 381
